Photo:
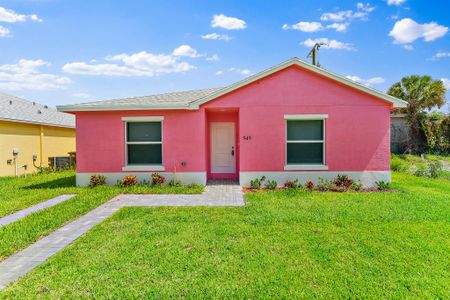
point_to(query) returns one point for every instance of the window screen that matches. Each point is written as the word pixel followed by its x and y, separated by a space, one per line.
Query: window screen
pixel 144 143
pixel 305 143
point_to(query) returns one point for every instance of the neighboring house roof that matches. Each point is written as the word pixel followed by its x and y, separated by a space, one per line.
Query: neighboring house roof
pixel 20 110
pixel 193 99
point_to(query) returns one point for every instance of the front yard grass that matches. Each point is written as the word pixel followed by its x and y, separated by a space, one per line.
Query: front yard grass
pixel 19 193
pixel 283 244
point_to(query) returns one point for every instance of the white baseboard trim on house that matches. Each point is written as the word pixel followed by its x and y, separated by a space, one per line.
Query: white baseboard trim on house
pixel 367 178
pixel 111 178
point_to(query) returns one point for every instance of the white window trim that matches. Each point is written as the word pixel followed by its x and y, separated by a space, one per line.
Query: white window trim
pixel 147 167
pixel 306 117
pixel 143 119
pixel 306 167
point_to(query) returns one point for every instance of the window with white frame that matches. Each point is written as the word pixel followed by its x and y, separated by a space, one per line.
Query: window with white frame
pixel 144 143
pixel 305 141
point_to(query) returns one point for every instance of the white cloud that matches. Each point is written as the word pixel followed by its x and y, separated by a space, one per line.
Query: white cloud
pixel 10 16
pixel 446 83
pixel 25 75
pixel 440 54
pixel 395 2
pixel 305 26
pixel 329 44
pixel 230 23
pixel 185 50
pixel 368 82
pixel 365 7
pixel 81 95
pixel 361 13
pixel 407 31
pixel 243 72
pixel 216 36
pixel 213 57
pixel 340 27
pixel 408 47
pixel 337 16
pixel 4 32
pixel 137 64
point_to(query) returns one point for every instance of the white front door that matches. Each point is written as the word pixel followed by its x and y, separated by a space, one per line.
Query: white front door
pixel 223 147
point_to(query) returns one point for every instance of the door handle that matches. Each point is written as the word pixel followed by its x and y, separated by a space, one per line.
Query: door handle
pixel 232 151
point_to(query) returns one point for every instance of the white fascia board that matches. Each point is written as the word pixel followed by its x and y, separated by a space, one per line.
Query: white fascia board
pixel 75 108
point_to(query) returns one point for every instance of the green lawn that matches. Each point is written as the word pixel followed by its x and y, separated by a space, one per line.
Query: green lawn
pixel 19 193
pixel 283 244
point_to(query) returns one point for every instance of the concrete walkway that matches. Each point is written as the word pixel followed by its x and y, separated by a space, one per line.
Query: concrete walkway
pixel 25 212
pixel 26 260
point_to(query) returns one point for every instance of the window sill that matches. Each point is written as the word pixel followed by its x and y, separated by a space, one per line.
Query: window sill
pixel 305 167
pixel 143 168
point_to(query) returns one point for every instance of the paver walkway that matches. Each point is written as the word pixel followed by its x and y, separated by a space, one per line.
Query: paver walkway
pixel 26 260
pixel 25 212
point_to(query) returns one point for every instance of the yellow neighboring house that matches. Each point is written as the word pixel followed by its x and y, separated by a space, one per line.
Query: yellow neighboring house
pixel 30 129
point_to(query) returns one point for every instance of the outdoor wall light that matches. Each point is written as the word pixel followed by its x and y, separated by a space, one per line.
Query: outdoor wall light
pixel 15 152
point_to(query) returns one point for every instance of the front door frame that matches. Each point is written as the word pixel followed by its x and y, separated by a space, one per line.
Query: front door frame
pixel 231 116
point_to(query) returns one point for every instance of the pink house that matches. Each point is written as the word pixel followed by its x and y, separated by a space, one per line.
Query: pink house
pixel 292 121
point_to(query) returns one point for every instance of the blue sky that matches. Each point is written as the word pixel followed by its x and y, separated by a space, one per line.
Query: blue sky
pixel 58 52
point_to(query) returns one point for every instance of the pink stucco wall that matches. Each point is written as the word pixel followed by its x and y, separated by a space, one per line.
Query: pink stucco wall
pixel 357 128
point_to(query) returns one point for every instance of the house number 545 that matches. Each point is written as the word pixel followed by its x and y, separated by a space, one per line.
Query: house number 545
pixel 247 137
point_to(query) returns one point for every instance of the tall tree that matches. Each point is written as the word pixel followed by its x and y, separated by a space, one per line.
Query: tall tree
pixel 421 92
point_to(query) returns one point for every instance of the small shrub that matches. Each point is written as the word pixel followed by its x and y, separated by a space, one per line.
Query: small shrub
pixel 356 186
pixel 192 185
pixel 271 184
pixel 256 183
pixel 382 185
pixel 97 180
pixel 325 185
pixel 421 171
pixel 144 183
pixel 174 183
pixel 309 185
pixel 129 180
pixel 343 181
pixel 291 184
pixel 434 168
pixel 157 179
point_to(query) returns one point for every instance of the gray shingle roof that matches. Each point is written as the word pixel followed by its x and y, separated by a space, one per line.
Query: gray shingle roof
pixel 168 100
pixel 21 110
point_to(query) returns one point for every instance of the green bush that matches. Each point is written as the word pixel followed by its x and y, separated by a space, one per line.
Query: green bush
pixel 356 186
pixel 325 185
pixel 271 184
pixel 176 183
pixel 382 185
pixel 434 168
pixel 257 183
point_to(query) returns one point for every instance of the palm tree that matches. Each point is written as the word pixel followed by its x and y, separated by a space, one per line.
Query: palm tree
pixel 421 92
